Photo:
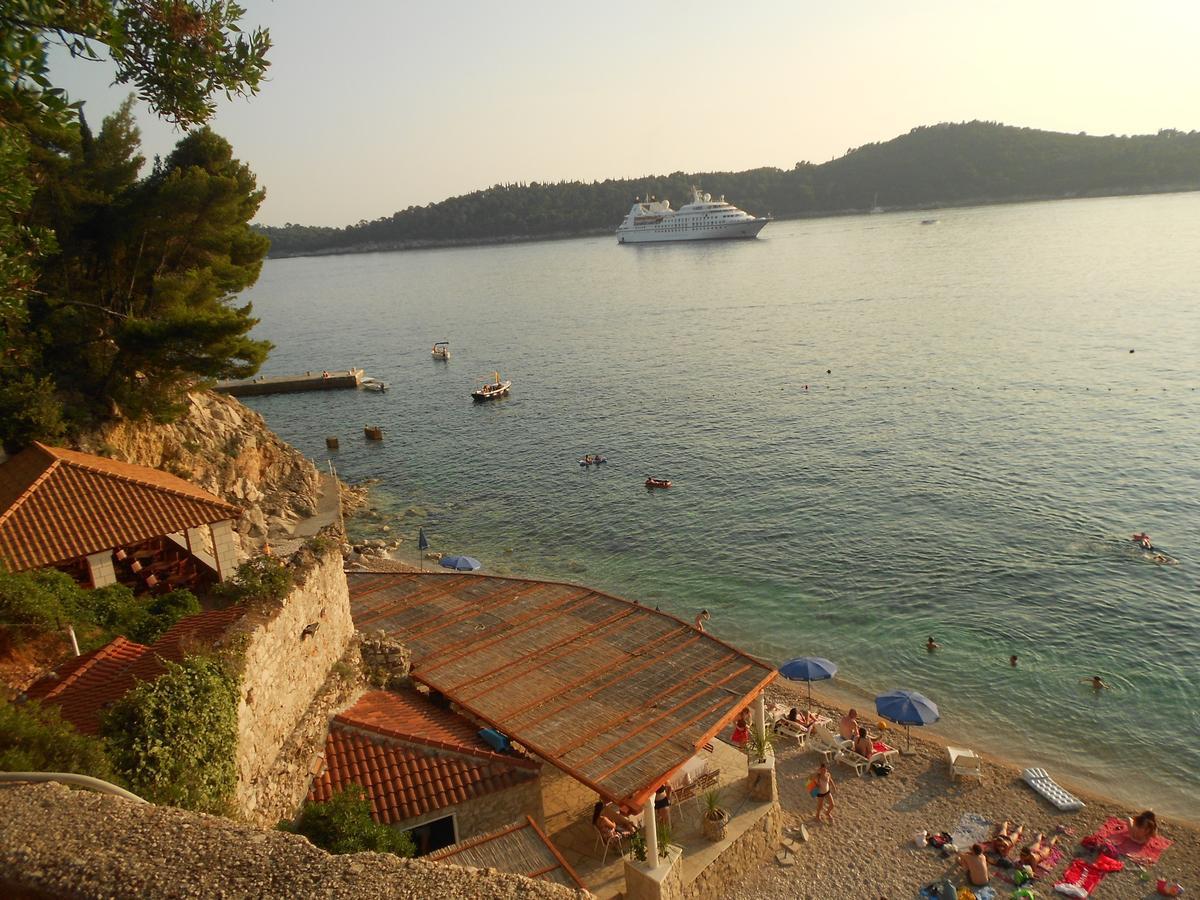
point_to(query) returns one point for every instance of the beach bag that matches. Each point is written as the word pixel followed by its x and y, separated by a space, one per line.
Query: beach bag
pixel 881 769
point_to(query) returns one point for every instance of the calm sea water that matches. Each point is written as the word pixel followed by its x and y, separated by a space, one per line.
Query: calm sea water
pixel 878 431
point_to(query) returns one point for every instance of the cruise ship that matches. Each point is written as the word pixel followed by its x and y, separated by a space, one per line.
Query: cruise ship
pixel 701 220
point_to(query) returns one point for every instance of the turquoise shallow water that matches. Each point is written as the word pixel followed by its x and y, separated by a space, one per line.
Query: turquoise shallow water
pixel 969 467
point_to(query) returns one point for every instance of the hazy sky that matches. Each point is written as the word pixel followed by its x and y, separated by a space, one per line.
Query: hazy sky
pixel 375 105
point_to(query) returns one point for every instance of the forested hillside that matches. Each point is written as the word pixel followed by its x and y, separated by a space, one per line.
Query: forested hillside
pixel 938 165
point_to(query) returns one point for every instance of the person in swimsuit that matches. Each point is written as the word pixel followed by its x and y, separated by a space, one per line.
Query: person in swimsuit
pixel 701 619
pixel 1038 852
pixel 1012 660
pixel 1096 682
pixel 848 725
pixel 662 800
pixel 823 791
pixel 1142 827
pixel 863 745
pixel 931 644
pixel 741 731
pixel 976 865
pixel 1006 839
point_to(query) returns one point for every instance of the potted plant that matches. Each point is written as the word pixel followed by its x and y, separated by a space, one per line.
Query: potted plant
pixel 759 747
pixel 716 817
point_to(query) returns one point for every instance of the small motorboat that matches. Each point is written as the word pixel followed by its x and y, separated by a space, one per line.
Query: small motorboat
pixel 496 388
pixel 441 350
pixel 657 483
pixel 373 384
pixel 592 459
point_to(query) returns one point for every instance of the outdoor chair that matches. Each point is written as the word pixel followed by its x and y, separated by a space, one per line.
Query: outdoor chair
pixel 608 840
pixel 965 762
pixel 786 728
pixel 827 743
pixel 861 763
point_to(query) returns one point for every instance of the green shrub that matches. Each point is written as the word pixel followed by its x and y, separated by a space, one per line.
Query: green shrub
pixel 161 613
pixel 36 739
pixel 40 601
pixel 260 578
pixel 343 824
pixel 174 739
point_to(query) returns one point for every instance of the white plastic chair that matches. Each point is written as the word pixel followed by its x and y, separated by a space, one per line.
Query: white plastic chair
pixel 608 840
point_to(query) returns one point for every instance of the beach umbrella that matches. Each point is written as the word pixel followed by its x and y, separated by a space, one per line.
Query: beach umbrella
pixel 461 563
pixel 808 668
pixel 422 546
pixel 907 708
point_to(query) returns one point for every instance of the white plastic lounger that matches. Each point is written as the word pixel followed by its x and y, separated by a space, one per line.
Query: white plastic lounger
pixel 1040 781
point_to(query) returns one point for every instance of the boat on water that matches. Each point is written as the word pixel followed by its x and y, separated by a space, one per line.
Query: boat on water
pixel 373 384
pixel 657 483
pixel 441 350
pixel 704 219
pixel 490 391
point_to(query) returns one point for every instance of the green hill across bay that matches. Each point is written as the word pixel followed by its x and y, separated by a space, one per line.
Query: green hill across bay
pixel 931 166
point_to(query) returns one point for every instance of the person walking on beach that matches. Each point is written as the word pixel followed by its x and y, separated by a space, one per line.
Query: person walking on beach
pixel 822 789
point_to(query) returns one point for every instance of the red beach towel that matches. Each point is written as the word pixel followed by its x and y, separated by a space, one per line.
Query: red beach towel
pixel 1043 869
pixel 1115 833
pixel 1081 876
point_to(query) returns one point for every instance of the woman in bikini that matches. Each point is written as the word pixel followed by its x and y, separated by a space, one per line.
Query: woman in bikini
pixel 1038 852
pixel 823 791
pixel 1005 840
pixel 1142 827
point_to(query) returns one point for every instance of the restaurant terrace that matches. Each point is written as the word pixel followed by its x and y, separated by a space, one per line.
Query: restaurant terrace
pixel 618 696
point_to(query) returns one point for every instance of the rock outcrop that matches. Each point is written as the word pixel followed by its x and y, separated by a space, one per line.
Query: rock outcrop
pixel 229 451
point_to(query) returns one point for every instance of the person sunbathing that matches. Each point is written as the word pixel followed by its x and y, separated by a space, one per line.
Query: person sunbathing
pixel 1005 840
pixel 848 725
pixel 863 745
pixel 1038 852
pixel 976 865
pixel 1142 827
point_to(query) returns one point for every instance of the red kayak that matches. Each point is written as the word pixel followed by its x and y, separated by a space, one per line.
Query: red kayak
pixel 657 483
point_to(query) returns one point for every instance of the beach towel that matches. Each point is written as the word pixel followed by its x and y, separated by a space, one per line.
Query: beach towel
pixel 972 828
pixel 1041 871
pixel 1115 834
pixel 1040 781
pixel 1081 876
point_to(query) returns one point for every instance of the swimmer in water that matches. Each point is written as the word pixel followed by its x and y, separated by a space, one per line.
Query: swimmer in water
pixel 1142 540
pixel 1012 660
pixel 931 644
pixel 1096 682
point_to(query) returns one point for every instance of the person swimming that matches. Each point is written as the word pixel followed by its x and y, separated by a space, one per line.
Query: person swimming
pixel 1143 540
pixel 931 644
pixel 1096 682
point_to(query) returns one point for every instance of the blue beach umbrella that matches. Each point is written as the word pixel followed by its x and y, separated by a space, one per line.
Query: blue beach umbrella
pixel 461 563
pixel 808 668
pixel 907 708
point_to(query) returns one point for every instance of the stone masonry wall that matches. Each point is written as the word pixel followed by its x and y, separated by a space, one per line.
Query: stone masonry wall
pixel 564 800
pixel 284 671
pixel 489 812
pixel 724 876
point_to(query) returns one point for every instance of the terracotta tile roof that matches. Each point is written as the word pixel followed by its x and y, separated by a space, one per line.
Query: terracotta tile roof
pixel 84 688
pixel 411 761
pixel 521 848
pixel 58 505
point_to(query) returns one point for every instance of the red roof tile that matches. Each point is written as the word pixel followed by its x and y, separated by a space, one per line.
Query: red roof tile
pixel 412 758
pixel 98 679
pixel 58 505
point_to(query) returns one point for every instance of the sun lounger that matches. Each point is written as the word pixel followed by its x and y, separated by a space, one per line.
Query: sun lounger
pixel 827 743
pixel 862 763
pixel 1040 781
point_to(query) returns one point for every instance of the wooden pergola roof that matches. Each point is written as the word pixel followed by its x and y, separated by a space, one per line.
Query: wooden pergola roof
pixel 522 848
pixel 616 695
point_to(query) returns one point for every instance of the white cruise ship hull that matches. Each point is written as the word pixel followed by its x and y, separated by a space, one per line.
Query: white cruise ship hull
pixel 643 234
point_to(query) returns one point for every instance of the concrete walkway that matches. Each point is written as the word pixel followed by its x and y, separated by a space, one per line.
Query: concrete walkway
pixel 327 509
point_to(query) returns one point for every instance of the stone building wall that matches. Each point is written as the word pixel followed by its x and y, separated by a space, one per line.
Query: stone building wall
pixel 386 662
pixel 564 800
pixel 487 813
pixel 724 875
pixel 284 671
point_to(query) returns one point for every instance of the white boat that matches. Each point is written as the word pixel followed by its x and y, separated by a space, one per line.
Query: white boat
pixel 373 384
pixel 441 350
pixel 701 220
